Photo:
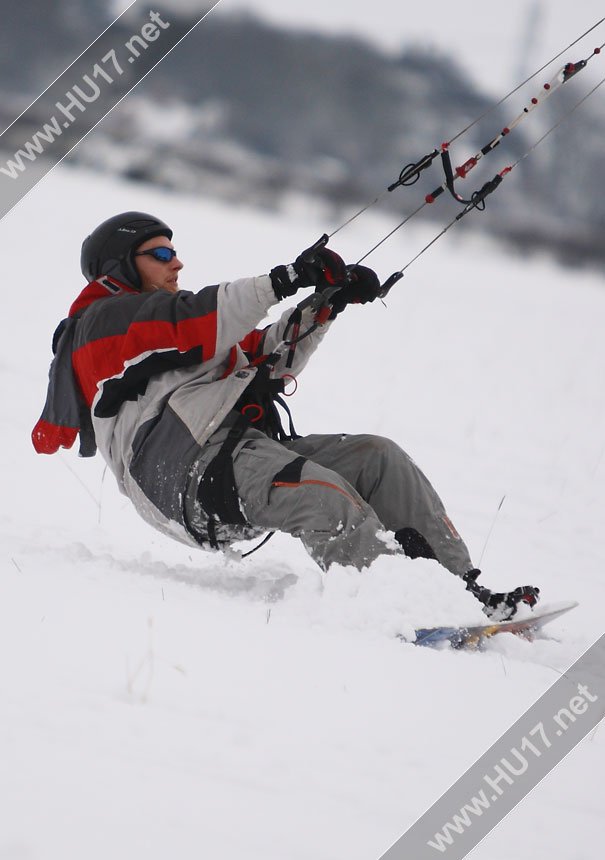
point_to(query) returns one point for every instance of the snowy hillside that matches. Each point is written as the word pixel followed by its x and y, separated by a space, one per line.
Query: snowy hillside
pixel 156 702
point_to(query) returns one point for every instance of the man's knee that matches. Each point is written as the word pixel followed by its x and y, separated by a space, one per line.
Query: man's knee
pixel 371 446
pixel 309 497
pixel 328 515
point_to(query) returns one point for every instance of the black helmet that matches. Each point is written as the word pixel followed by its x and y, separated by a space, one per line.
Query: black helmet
pixel 109 250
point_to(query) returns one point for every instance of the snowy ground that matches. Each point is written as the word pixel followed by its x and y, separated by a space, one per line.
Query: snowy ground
pixel 161 703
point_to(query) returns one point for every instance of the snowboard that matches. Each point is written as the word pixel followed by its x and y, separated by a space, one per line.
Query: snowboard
pixel 474 637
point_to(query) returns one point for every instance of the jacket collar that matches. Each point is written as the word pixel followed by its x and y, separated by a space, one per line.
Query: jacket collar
pixel 103 288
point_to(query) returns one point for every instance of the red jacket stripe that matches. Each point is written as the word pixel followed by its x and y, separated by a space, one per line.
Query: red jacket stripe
pixel 107 357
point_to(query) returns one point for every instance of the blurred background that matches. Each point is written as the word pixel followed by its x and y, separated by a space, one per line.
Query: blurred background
pixel 265 100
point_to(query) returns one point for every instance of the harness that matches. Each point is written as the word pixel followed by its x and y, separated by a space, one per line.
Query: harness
pixel 257 407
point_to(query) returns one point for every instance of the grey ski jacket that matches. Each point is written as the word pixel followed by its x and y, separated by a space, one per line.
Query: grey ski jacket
pixel 158 373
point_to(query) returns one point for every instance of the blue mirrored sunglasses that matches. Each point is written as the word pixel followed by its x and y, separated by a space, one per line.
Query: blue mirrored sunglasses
pixel 164 255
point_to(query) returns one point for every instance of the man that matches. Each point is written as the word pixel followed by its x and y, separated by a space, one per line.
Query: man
pixel 180 392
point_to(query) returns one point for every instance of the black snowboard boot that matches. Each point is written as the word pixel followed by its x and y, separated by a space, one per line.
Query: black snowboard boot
pixel 500 606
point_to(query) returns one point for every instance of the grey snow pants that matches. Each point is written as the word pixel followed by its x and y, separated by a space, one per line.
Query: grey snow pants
pixel 339 494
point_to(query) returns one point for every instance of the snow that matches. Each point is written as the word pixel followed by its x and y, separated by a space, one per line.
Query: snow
pixel 157 702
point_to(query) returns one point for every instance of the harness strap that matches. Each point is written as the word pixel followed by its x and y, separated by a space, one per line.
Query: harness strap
pixel 294 324
pixel 217 493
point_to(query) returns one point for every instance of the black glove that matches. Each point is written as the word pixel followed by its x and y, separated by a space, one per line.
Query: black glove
pixel 362 286
pixel 500 606
pixel 324 269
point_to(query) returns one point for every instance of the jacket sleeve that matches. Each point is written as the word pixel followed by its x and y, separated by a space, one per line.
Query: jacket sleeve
pixel 239 303
pixel 215 318
pixel 64 414
pixel 292 359
pixel 123 341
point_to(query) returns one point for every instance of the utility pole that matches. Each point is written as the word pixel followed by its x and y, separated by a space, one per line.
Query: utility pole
pixel 533 25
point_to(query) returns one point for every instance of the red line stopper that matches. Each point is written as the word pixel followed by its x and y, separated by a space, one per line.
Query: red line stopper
pixel 466 167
